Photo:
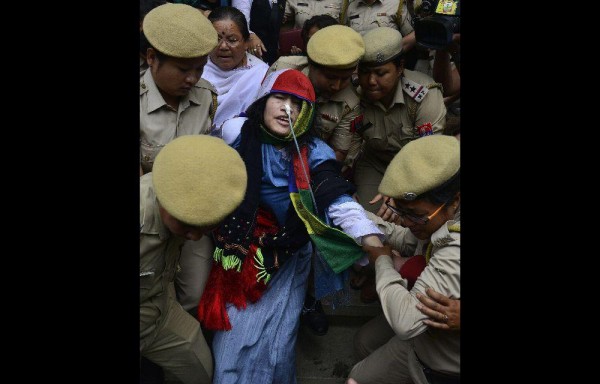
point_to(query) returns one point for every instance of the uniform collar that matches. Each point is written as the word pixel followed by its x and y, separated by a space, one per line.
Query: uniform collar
pixel 155 99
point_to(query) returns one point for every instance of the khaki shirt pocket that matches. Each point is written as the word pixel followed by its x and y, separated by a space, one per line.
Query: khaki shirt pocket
pixel 148 153
pixel 375 137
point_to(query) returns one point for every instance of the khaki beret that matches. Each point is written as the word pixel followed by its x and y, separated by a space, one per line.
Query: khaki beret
pixel 179 30
pixel 336 46
pixel 421 166
pixel 199 179
pixel 383 44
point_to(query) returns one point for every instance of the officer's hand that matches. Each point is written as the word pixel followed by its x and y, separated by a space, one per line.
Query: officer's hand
pixel 398 260
pixel 443 311
pixel 384 212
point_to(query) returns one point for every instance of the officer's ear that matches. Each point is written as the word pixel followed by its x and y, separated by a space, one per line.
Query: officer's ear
pixel 151 56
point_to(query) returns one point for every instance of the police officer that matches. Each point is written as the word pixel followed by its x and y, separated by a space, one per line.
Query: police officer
pixel 175 101
pixel 302 10
pixel 364 15
pixel 197 180
pixel 399 105
pixel 333 53
pixel 400 347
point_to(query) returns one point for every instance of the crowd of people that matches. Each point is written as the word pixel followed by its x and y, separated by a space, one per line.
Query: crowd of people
pixel 269 184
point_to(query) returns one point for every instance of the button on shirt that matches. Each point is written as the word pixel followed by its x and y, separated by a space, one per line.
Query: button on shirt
pixel 363 17
pixel 302 10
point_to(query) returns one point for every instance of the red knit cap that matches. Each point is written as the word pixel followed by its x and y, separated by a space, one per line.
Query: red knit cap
pixel 290 81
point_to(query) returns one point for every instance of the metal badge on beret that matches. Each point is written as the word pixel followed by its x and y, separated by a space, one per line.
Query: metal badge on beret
pixel 409 196
pixel 379 57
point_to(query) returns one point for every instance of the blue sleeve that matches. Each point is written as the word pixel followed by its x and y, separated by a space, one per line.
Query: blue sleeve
pixel 319 152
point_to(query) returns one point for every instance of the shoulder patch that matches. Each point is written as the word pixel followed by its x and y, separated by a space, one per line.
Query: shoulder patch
pixel 330 117
pixel 359 124
pixel 425 129
pixel 413 89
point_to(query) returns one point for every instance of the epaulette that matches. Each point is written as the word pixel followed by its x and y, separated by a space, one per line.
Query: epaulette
pixel 435 85
pixel 454 228
pixel 413 89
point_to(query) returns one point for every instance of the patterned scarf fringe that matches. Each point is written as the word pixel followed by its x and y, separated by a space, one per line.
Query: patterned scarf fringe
pixel 231 281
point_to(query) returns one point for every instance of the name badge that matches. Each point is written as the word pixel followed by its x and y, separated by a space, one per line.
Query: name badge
pixel 382 14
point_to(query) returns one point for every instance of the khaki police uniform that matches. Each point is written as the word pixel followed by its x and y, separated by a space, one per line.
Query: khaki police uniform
pixel 363 17
pixel 397 346
pixel 178 30
pixel 418 110
pixel 302 10
pixel 395 338
pixel 159 123
pixel 169 336
pixel 198 180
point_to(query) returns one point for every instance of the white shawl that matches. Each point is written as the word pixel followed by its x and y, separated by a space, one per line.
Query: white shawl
pixel 236 88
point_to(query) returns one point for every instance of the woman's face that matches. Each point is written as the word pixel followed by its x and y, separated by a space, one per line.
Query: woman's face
pixel 230 51
pixel 175 77
pixel 424 210
pixel 275 117
pixel 379 82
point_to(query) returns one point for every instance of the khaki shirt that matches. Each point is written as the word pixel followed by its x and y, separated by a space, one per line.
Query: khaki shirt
pixel 382 13
pixel 159 123
pixel 439 349
pixel 386 130
pixel 159 255
pixel 302 10
pixel 334 120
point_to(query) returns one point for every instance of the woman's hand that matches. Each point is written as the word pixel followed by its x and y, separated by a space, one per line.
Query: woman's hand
pixel 443 311
pixel 256 46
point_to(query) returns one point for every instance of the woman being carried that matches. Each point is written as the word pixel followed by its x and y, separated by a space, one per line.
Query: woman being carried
pixel 257 285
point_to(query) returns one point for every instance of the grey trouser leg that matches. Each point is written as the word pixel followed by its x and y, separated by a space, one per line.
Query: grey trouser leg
pixel 195 264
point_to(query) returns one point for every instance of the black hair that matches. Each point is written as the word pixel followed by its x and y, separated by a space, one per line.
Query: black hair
pixel 233 14
pixel 452 125
pixel 398 60
pixel 319 21
pixel 445 192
